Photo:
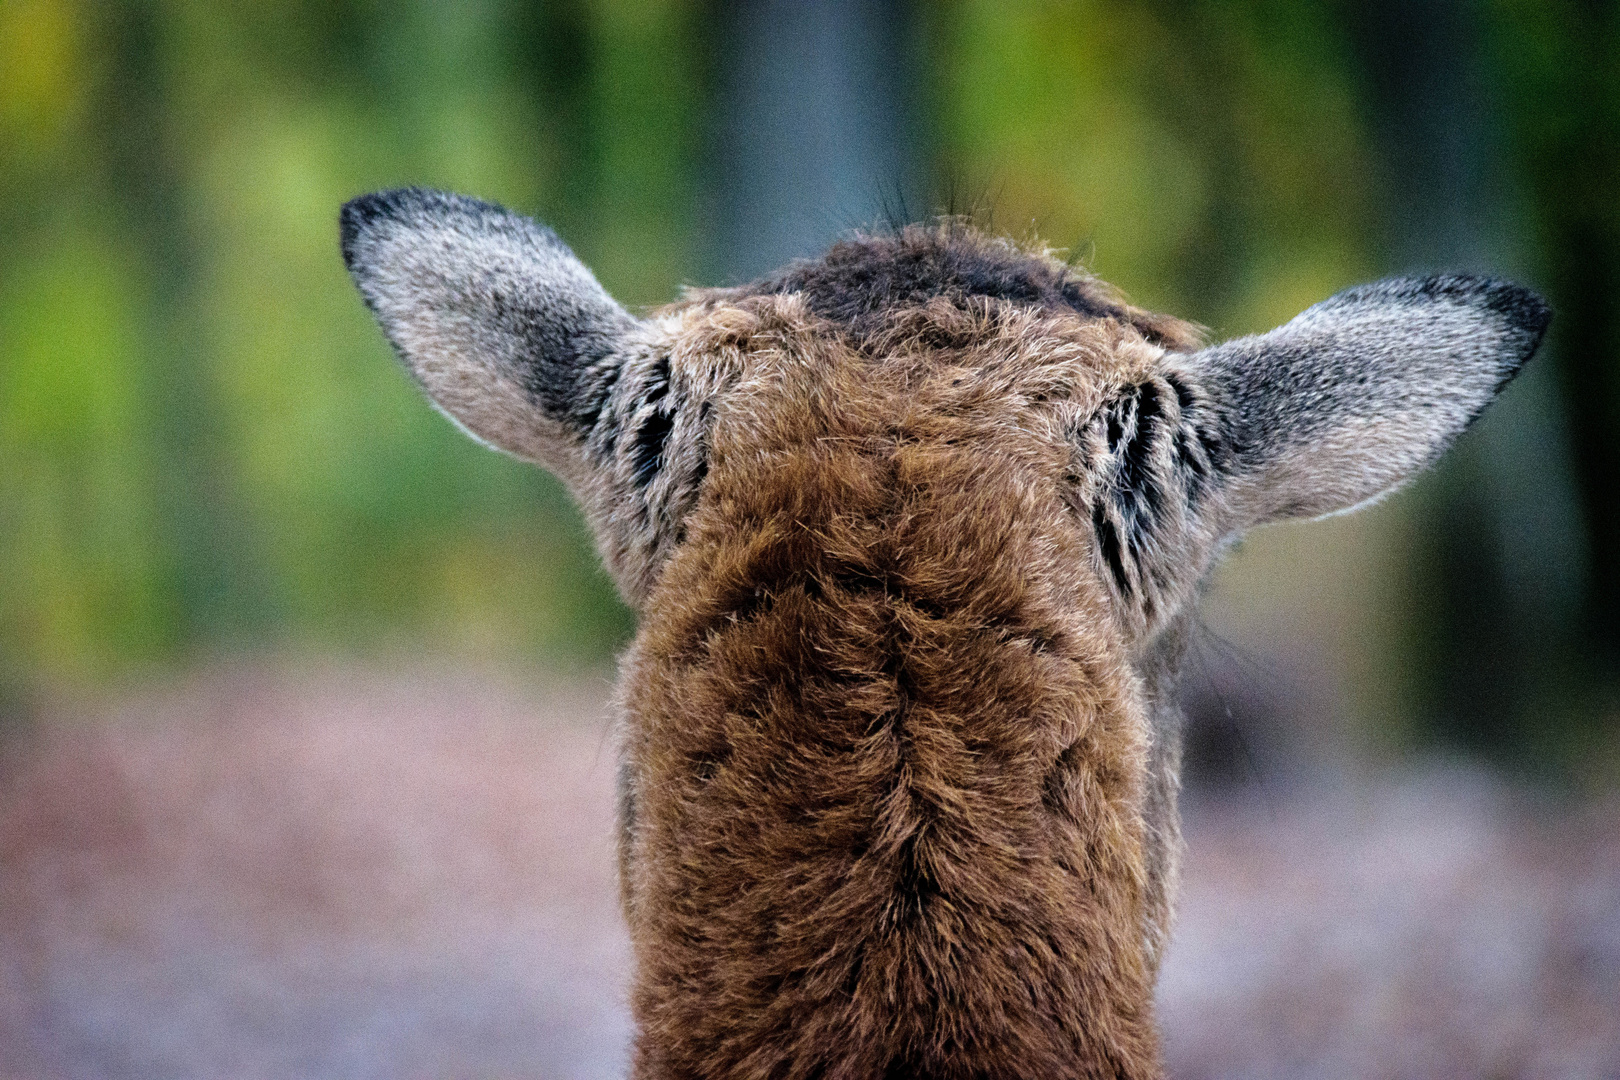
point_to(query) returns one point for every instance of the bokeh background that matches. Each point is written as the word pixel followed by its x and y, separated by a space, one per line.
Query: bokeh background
pixel 225 511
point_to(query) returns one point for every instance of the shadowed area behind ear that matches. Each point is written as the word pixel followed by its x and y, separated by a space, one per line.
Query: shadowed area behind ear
pixel 507 332
pixel 1357 394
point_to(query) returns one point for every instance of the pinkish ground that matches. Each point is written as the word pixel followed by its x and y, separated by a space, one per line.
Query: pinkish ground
pixel 363 874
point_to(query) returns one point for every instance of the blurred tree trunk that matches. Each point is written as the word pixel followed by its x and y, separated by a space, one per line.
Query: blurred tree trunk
pixel 1571 155
pixel 220 588
pixel 815 127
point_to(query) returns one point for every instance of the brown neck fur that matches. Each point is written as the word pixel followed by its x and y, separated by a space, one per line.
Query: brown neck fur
pixel 884 760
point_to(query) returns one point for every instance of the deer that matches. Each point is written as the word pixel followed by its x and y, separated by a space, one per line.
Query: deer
pixel 915 532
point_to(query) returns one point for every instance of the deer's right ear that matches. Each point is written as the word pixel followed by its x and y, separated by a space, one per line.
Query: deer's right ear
pixel 1357 394
pixel 508 333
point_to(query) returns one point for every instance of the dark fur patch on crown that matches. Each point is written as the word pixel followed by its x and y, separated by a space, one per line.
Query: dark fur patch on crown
pixel 861 281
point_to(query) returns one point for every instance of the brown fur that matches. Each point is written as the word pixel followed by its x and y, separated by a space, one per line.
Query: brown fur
pixel 885 748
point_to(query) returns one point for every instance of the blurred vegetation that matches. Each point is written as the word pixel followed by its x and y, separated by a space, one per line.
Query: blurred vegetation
pixel 204 445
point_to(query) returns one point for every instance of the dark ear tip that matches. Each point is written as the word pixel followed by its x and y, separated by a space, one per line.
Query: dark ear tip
pixel 360 215
pixel 417 206
pixel 1526 310
pixel 1527 315
pixel 1523 310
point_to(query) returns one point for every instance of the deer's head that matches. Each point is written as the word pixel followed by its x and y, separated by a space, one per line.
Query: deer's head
pixel 911 529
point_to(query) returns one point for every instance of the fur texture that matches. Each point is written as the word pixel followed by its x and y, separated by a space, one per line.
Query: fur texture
pixel 914 530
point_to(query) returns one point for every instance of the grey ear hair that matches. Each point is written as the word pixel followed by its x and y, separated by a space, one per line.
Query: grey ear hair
pixel 508 333
pixel 513 339
pixel 1359 393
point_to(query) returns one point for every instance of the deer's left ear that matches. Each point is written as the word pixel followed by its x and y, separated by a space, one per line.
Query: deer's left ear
pixel 508 333
pixel 1357 394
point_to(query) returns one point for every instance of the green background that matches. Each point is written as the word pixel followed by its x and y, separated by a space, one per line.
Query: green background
pixel 206 449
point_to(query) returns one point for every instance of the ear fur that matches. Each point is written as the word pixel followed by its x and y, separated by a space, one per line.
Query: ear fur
pixel 509 334
pixel 1357 394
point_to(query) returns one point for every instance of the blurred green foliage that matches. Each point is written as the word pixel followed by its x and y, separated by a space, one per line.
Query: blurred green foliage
pixel 204 444
pixel 1209 157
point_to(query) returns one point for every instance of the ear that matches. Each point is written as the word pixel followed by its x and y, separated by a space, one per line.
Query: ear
pixel 1356 395
pixel 507 332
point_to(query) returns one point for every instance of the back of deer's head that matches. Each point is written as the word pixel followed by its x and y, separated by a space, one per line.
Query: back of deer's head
pixel 911 529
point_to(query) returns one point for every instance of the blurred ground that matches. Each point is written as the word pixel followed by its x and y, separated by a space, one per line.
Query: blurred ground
pixel 320 874
pixel 337 873
pixel 1435 924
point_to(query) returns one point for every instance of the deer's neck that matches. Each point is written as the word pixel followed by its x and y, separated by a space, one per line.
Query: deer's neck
pixel 884 786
